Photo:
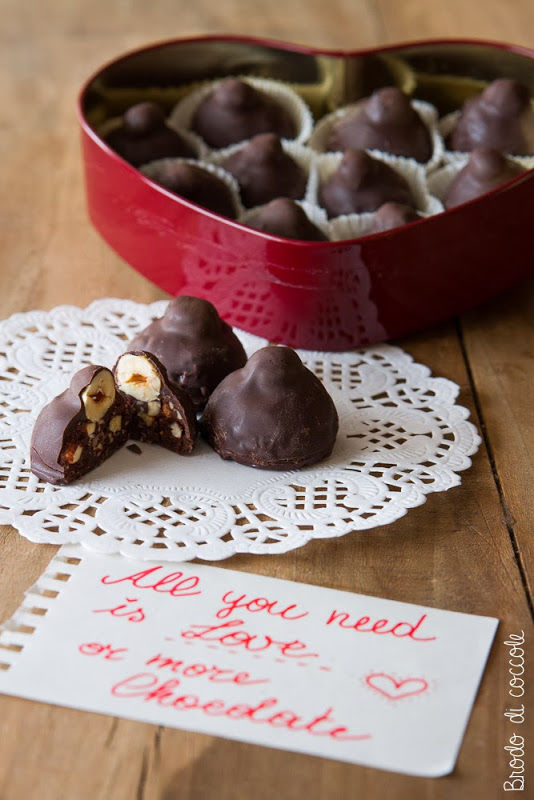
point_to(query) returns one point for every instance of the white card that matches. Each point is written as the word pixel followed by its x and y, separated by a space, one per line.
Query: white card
pixel 275 663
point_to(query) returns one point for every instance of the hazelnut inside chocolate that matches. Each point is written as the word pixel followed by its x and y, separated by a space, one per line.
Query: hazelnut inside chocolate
pixel 160 412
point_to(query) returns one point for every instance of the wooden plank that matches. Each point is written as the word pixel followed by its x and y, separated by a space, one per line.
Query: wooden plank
pixel 499 343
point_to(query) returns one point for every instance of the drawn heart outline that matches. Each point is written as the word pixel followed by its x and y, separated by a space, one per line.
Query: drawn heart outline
pixel 391 688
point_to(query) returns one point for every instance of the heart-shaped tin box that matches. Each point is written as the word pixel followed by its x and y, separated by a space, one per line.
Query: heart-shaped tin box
pixel 317 295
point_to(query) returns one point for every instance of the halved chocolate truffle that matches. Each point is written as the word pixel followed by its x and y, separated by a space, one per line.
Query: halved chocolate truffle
pixel 384 121
pixel 485 170
pixel 283 217
pixel 235 110
pixel 362 183
pixel 195 184
pixel 196 347
pixel 502 117
pixel 160 411
pixel 144 136
pixel 264 171
pixel 79 428
pixel 393 215
pixel 272 414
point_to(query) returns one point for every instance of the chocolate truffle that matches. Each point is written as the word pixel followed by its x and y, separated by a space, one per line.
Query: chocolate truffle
pixel 272 414
pixel 160 412
pixel 264 171
pixel 502 117
pixel 393 215
pixel 195 184
pixel 234 110
pixel 80 428
pixel 485 170
pixel 196 347
pixel 385 121
pixel 283 217
pixel 362 183
pixel 144 136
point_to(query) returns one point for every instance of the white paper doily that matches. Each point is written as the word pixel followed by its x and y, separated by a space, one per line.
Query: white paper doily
pixel 401 437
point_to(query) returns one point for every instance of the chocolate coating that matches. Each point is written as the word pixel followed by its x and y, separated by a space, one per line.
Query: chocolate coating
pixel 174 426
pixel 393 215
pixel 144 136
pixel 362 183
pixel 264 171
pixel 283 217
pixel 384 121
pixel 197 185
pixel 485 170
pixel 63 426
pixel 196 347
pixel 502 117
pixel 272 414
pixel 234 111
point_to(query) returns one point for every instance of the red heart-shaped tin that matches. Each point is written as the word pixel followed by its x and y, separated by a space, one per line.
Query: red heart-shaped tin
pixel 314 295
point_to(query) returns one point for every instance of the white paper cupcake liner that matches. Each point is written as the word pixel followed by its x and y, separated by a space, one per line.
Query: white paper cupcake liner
pixel 426 111
pixel 412 172
pixel 447 124
pixel 304 157
pixel 182 114
pixel 195 141
pixel 438 183
pixel 150 170
pixel 314 213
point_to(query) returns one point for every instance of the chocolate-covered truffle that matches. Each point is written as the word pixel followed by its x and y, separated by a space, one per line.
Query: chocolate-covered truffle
pixel 79 428
pixel 144 136
pixel 272 414
pixel 196 347
pixel 384 121
pixel 235 110
pixel 160 411
pixel 283 217
pixel 195 184
pixel 393 215
pixel 264 171
pixel 502 117
pixel 485 170
pixel 362 183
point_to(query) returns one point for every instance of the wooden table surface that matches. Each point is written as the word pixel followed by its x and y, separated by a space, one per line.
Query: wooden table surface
pixel 469 550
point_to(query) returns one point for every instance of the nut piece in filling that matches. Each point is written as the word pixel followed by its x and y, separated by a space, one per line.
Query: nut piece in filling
pixel 79 428
pixel 272 414
pixel 160 411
